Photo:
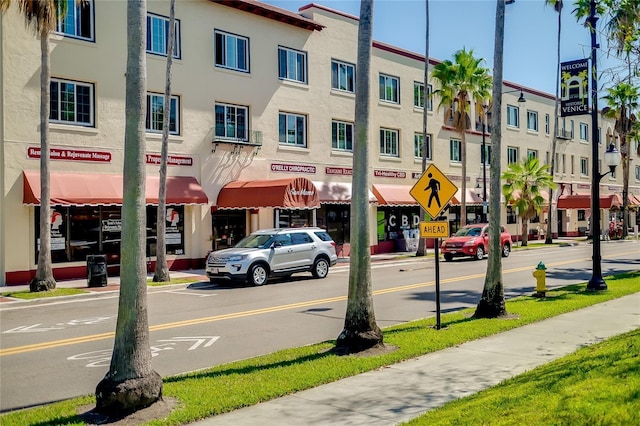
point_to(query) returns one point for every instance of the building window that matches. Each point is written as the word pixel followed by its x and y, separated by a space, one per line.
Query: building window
pixel 292 65
pixel 572 128
pixel 341 136
pixel 158 35
pixel 71 102
pixel 343 76
pixel 389 89
pixel 547 124
pixel 232 122
pixel 573 169
pixel 532 153
pixel 512 154
pixel 155 113
pixel 637 172
pixel 532 121
pixel 564 163
pixel 418 95
pixel 455 150
pixel 584 166
pixel 513 116
pixel 389 143
pixel 78 22
pixel 584 132
pixel 292 129
pixel 417 146
pixel 231 51
pixel 582 215
pixel 485 157
pixel 511 215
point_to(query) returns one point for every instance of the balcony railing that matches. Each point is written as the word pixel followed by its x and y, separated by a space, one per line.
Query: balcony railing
pixel 565 134
pixel 253 142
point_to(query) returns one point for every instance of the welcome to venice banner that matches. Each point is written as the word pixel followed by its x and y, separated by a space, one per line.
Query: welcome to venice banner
pixel 574 88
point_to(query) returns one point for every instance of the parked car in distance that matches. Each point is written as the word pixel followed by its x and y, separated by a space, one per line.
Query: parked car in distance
pixel 473 241
pixel 278 252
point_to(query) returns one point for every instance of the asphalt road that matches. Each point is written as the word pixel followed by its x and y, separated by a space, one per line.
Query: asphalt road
pixel 55 349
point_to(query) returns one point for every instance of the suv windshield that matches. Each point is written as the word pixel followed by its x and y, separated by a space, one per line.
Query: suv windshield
pixel 255 241
pixel 469 232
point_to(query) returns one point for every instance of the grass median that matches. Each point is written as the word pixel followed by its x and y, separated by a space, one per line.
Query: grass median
pixel 238 384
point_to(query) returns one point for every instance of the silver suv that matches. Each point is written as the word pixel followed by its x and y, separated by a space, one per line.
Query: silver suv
pixel 274 253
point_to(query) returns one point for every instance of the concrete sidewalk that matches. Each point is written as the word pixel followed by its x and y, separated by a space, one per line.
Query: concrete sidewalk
pixel 403 391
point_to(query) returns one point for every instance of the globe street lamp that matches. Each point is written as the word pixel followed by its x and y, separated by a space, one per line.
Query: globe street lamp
pixel 612 158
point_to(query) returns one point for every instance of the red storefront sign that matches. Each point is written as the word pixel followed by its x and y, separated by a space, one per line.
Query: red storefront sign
pixel 292 168
pixel 343 171
pixel 172 160
pixel 390 174
pixel 33 152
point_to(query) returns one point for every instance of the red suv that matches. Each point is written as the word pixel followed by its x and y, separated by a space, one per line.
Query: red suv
pixel 473 240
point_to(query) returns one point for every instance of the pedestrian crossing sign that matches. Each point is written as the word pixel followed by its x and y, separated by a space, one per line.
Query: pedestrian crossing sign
pixel 433 191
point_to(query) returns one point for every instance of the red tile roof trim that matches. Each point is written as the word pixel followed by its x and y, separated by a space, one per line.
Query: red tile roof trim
pixel 272 12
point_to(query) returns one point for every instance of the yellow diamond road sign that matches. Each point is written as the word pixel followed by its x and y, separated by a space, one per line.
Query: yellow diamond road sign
pixel 433 191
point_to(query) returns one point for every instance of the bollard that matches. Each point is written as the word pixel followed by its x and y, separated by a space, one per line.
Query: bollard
pixel 540 274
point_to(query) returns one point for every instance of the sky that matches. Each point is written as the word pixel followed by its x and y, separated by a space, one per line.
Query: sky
pixel 531 28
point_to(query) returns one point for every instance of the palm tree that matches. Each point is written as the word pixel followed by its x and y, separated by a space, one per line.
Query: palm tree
pixel 524 182
pixel 131 384
pixel 557 5
pixel 360 329
pixel 461 82
pixel 622 101
pixel 422 242
pixel 492 303
pixel 42 17
pixel 162 269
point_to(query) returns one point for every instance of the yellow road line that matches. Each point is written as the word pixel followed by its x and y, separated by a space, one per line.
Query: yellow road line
pixel 91 338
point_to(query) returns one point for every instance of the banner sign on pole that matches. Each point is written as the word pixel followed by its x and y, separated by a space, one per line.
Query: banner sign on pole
pixel 574 88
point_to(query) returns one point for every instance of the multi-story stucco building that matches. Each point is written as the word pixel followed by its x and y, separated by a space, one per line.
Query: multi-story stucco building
pixel 261 133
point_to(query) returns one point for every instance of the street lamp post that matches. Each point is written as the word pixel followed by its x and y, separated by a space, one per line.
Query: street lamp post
pixel 612 158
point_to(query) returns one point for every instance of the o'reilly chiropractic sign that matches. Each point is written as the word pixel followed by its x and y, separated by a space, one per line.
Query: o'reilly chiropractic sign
pixel 574 87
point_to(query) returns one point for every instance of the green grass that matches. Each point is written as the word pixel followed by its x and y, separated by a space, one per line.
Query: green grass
pixel 230 386
pixel 598 385
pixel 185 280
pixel 27 295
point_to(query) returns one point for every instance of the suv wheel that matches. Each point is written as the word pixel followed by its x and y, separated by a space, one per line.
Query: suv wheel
pixel 480 253
pixel 258 274
pixel 506 249
pixel 448 257
pixel 320 268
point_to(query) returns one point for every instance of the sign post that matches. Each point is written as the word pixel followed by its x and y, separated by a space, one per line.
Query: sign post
pixel 433 191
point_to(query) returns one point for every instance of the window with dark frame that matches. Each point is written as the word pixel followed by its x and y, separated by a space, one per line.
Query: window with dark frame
pixel 158 36
pixel 71 102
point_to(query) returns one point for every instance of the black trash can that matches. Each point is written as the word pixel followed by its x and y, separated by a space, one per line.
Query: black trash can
pixel 97 270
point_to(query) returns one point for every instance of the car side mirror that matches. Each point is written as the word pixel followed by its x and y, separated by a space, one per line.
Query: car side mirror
pixel 276 244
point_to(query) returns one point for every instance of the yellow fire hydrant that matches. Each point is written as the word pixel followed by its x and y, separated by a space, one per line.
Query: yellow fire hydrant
pixel 540 274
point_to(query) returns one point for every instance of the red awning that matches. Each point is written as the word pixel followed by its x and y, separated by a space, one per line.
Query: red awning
pixel 337 193
pixel 584 201
pixel 394 195
pixel 471 198
pixel 291 193
pixel 73 189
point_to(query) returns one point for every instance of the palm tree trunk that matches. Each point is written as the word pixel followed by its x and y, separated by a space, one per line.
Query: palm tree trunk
pixel 131 384
pixel 44 280
pixel 162 269
pixel 360 329
pixel 422 242
pixel 492 302
pixel 463 184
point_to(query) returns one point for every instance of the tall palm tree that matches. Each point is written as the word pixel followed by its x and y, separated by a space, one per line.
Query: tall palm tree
pixel 162 268
pixel 524 182
pixel 360 329
pixel 462 82
pixel 492 302
pixel 42 17
pixel 623 101
pixel 131 383
pixel 557 5
pixel 422 242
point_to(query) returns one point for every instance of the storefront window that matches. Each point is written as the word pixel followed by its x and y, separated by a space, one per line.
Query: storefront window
pixel 294 218
pixel 77 232
pixel 229 227
pixel 398 222
pixel 335 219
